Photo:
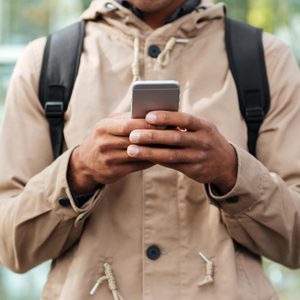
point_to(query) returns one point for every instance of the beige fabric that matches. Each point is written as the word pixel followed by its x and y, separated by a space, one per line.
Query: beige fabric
pixel 158 206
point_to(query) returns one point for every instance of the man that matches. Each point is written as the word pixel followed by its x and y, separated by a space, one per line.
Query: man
pixel 148 229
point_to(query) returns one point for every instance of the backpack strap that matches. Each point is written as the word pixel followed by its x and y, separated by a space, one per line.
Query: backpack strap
pixel 59 70
pixel 247 64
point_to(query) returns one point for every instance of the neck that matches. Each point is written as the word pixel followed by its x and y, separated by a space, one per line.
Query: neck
pixel 157 19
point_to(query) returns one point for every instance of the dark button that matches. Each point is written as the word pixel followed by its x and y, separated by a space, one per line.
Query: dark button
pixel 64 202
pixel 153 252
pixel 232 200
pixel 153 51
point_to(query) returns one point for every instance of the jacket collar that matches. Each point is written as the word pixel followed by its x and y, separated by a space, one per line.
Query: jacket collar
pixel 185 9
pixel 118 16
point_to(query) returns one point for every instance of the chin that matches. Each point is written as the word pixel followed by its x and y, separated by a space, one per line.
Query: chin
pixel 150 5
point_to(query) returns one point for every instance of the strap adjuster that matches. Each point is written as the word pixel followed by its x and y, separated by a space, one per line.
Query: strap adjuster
pixel 254 115
pixel 54 109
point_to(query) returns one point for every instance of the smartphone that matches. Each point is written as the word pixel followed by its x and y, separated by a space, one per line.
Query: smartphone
pixel 150 95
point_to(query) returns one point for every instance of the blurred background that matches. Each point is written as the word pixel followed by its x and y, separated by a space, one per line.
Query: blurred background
pixel 22 21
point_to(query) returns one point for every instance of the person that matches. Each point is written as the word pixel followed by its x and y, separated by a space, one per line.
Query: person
pixel 186 220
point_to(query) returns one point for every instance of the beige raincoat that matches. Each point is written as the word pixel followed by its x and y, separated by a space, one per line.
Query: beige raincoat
pixel 158 206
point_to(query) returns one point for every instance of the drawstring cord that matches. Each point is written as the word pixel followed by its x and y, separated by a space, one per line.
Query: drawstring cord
pixel 165 55
pixel 209 275
pixel 163 59
pixel 136 59
pixel 112 284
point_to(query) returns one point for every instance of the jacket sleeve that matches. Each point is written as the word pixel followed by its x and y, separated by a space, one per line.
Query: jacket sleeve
pixel 34 226
pixel 265 216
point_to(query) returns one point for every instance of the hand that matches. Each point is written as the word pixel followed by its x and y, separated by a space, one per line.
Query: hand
pixel 102 157
pixel 201 152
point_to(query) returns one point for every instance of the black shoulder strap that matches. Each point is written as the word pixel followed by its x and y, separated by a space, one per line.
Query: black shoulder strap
pixel 246 61
pixel 59 70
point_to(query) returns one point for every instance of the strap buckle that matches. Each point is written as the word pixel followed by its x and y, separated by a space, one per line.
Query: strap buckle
pixel 254 116
pixel 54 109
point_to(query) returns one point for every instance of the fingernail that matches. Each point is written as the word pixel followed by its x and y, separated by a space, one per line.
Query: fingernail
pixel 134 136
pixel 133 150
pixel 151 117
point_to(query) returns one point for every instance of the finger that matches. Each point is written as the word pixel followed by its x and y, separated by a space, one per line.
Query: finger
pixel 173 138
pixel 136 164
pixel 117 157
pixel 176 119
pixel 130 167
pixel 162 155
pixel 123 126
pixel 116 172
pixel 186 168
pixel 109 143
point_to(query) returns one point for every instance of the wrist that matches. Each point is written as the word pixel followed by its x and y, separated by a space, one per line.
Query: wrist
pixel 79 178
pixel 226 182
pixel 224 186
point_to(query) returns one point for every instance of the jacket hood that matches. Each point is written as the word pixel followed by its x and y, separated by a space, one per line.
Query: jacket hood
pixel 177 32
pixel 117 15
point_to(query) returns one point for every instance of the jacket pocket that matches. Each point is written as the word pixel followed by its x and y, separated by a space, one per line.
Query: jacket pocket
pixel 51 292
pixel 252 276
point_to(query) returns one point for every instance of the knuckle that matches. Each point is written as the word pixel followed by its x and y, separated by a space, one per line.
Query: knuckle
pixel 146 153
pixel 173 156
pixel 101 148
pixel 178 138
pixel 123 144
pixel 106 162
pixel 125 128
pixel 129 125
pixel 110 160
pixel 98 129
pixel 211 128
pixel 201 156
pixel 199 172
pixel 189 119
pixel 152 136
pixel 195 168
pixel 209 125
pixel 205 145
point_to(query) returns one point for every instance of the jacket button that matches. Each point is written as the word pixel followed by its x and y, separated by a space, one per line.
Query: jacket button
pixel 153 51
pixel 153 252
pixel 64 202
pixel 232 200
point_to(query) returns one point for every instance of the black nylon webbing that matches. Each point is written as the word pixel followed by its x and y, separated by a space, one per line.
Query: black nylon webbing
pixel 59 70
pixel 246 61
